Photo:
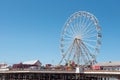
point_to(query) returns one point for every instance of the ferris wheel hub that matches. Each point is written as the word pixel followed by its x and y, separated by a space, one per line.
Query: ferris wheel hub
pixel 78 37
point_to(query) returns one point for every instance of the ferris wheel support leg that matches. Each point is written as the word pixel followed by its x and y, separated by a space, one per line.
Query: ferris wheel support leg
pixel 79 70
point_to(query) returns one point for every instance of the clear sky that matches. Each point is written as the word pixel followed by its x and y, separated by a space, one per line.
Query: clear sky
pixel 31 29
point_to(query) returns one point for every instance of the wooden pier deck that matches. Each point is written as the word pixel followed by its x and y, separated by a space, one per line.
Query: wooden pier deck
pixel 57 75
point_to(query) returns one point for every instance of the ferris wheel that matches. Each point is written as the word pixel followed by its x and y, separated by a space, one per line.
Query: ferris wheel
pixel 80 39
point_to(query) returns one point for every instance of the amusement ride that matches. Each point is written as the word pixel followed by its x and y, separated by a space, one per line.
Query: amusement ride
pixel 80 39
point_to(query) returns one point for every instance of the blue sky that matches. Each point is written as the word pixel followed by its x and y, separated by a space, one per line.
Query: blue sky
pixel 31 29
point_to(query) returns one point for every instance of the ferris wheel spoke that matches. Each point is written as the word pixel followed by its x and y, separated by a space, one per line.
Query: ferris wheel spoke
pixel 84 19
pixel 72 24
pixel 82 23
pixel 67 34
pixel 87 23
pixel 77 29
pixel 72 29
pixel 89 36
pixel 68 42
pixel 67 39
pixel 88 40
pixel 90 48
pixel 86 28
pixel 89 45
pixel 90 30
pixel 76 26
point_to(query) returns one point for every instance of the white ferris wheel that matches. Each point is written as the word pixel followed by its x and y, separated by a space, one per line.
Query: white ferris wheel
pixel 80 39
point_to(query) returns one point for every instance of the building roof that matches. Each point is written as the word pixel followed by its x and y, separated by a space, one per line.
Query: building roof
pixel 31 62
pixel 108 63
